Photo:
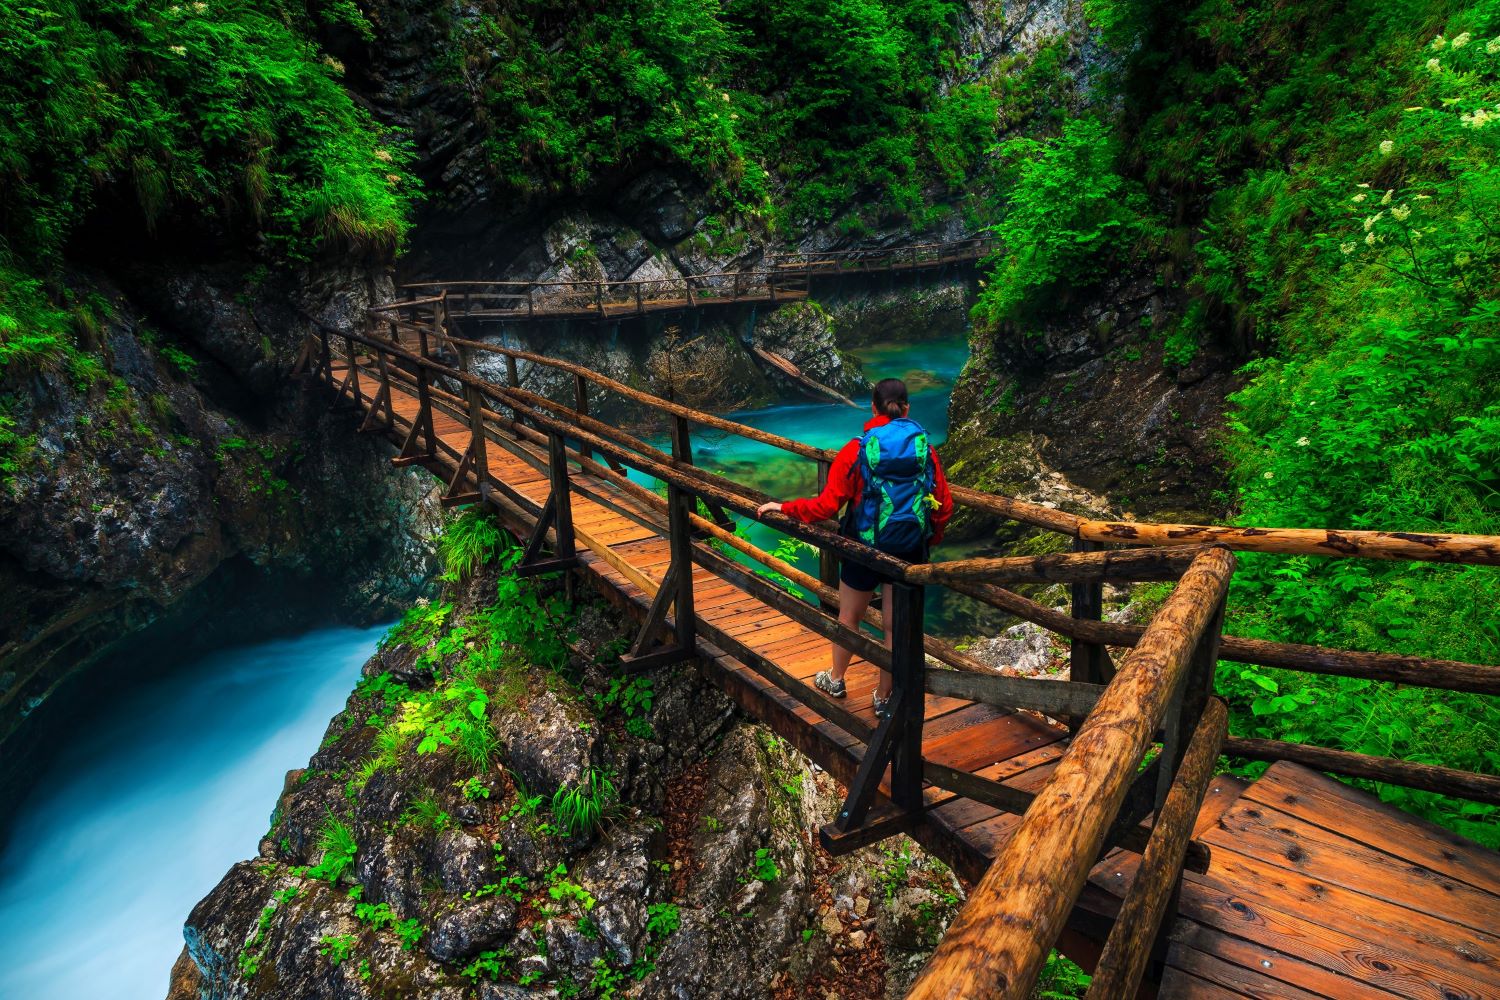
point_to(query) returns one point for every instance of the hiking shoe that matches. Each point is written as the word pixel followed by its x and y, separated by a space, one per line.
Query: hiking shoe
pixel 826 682
pixel 882 707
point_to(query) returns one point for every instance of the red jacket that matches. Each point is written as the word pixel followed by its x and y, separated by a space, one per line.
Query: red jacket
pixel 845 485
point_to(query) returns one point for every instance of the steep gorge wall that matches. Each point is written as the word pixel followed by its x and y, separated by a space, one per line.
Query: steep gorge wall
pixel 189 478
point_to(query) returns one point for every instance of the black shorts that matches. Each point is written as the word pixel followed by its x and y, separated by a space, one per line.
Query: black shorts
pixel 866 579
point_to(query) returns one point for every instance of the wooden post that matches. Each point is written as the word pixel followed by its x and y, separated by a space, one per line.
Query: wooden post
pixel 562 503
pixel 477 444
pixel 327 354
pixel 354 370
pixel 828 561
pixel 680 504
pixel 640 306
pixel 424 397
pixel 530 306
pixel 908 672
pixel 599 297
pixel 581 404
pixel 771 285
pixel 1086 659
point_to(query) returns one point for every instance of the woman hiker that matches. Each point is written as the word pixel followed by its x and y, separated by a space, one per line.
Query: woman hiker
pixel 897 500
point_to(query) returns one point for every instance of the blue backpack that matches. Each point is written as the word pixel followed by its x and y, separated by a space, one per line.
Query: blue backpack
pixel 893 512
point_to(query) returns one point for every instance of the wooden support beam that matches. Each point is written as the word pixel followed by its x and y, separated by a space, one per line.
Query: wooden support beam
pixel 656 617
pixel 1117 975
pixel 908 672
pixel 882 748
pixel 1054 698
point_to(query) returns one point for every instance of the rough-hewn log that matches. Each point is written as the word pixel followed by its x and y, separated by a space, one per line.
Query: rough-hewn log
pixel 655 402
pixel 1055 698
pixel 1128 948
pixel 1483 550
pixel 1063 567
pixel 1442 780
pixel 1018 510
pixel 1452 675
pixel 998 941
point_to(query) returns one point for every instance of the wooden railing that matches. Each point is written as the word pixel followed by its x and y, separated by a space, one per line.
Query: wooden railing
pixel 1098 798
pixel 881 259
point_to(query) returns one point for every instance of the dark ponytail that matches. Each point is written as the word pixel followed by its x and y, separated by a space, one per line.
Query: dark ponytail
pixel 890 397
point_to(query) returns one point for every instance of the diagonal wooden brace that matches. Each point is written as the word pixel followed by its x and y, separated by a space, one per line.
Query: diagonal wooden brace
pixel 878 754
pixel 657 616
pixel 539 533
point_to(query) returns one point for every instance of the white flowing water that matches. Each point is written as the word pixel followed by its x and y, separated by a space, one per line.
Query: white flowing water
pixel 151 798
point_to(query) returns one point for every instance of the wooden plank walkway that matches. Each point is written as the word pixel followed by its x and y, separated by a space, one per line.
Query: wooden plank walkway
pixel 1313 889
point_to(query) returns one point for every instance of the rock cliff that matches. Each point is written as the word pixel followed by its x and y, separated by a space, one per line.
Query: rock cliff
pixel 397 867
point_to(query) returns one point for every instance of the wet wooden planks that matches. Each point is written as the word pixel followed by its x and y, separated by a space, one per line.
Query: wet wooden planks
pixel 1313 890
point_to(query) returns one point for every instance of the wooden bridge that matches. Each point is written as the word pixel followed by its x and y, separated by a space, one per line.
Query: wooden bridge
pixel 784 278
pixel 1086 814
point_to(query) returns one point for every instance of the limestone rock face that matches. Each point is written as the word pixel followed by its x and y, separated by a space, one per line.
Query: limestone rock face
pixel 193 473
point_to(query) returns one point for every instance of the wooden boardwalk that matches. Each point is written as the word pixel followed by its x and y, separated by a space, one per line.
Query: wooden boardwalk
pixel 784 278
pixel 1312 889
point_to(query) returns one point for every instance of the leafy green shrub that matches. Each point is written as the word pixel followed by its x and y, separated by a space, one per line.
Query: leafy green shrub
pixel 1328 206
pixel 223 111
pixel 1069 216
pixel 763 866
pixel 338 947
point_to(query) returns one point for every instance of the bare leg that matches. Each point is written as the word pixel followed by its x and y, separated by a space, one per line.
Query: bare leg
pixel 852 604
pixel 883 691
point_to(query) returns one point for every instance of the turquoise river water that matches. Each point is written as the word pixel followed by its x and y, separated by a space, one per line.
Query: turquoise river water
pixel 148 802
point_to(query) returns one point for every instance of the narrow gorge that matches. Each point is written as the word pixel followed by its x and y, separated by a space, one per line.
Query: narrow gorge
pixel 287 713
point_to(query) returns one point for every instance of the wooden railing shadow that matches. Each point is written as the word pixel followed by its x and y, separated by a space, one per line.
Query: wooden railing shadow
pixel 1103 792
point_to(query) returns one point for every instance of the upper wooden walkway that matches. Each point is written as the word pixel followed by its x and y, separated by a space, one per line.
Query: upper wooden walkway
pixel 1291 886
pixel 784 278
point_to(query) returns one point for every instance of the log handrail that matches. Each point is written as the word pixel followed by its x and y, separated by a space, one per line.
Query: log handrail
pixel 997 943
pixel 1334 543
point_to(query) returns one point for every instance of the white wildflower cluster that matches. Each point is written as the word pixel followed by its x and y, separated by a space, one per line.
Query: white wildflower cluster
pixel 1479 118
pixel 1438 44
pixel 1434 66
pixel 1370 222
pixel 1400 212
pixel 180 50
pixel 1493 45
pixel 1359 198
pixel 1387 147
pixel 1347 248
pixel 1462 40
pixel 1303 442
pixel 1389 194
